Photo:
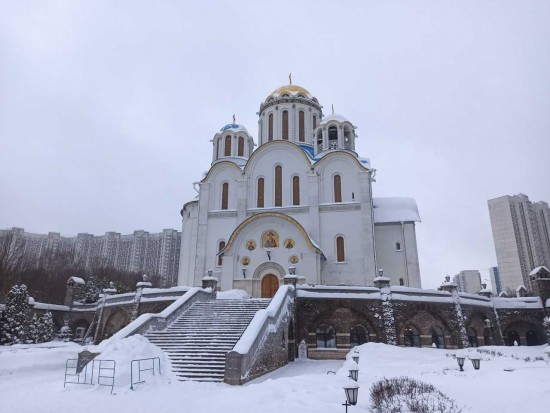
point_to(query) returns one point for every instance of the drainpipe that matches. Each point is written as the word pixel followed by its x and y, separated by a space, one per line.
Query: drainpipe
pixel 405 252
pixel 372 175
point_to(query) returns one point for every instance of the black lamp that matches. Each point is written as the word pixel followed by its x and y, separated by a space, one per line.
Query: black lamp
pixel 268 251
pixel 460 361
pixel 352 391
pixel 244 271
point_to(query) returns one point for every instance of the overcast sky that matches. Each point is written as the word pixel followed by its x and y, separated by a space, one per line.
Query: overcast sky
pixel 107 108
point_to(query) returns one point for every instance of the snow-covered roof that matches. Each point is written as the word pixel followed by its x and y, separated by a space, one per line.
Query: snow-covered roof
pixel 77 280
pixel 536 270
pixel 234 127
pixel 517 302
pixel 395 209
pixel 335 117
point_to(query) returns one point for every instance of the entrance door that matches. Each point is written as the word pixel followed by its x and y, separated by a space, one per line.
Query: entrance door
pixel 270 285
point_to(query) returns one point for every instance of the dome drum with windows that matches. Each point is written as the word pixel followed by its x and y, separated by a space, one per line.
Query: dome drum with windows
pixel 232 141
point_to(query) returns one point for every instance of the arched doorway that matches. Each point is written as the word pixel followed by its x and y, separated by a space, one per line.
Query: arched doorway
pixel 532 338
pixel 270 285
pixel 513 337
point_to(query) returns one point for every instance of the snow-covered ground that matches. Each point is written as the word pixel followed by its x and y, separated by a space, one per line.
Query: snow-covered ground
pixel 31 380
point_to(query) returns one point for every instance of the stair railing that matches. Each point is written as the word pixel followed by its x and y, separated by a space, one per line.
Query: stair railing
pixel 159 321
pixel 239 361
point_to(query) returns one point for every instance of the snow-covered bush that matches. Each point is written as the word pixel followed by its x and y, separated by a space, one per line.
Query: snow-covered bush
pixel 45 331
pixel 33 330
pixel 65 333
pixel 14 317
pixel 407 395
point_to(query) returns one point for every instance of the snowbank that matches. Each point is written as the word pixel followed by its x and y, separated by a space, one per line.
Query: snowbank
pixel 134 348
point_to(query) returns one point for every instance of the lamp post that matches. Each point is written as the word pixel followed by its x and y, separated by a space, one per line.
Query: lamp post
pixel 476 361
pixel 352 391
pixel 292 269
pixel 355 356
pixel 460 361
pixel 353 369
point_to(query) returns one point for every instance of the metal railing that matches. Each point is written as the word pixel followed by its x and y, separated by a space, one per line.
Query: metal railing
pixel 84 375
pixel 140 369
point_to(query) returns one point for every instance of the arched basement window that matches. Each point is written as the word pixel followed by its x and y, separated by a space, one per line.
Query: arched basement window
pixel 227 148
pixel 340 250
pixel 301 126
pixel 225 195
pixel 325 336
pixel 260 199
pixel 285 125
pixel 295 190
pixel 270 128
pixel 358 335
pixel 240 148
pixel 337 188
pixel 221 246
pixel 278 186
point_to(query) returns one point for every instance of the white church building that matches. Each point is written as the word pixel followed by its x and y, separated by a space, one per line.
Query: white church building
pixel 301 201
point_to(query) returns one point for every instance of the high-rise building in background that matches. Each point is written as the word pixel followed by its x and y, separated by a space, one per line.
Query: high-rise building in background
pixel 495 280
pixel 521 232
pixel 152 254
pixel 468 281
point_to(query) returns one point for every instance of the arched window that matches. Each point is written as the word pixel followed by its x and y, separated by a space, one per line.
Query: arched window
pixel 278 185
pixel 332 137
pixel 398 246
pixel 285 125
pixel 325 336
pixel 260 198
pixel 225 195
pixel 401 281
pixel 270 127
pixel 438 338
pixel 296 190
pixel 221 246
pixel 358 335
pixel 337 188
pixel 240 148
pixel 314 121
pixel 411 338
pixel 301 126
pixel 227 148
pixel 513 337
pixel 472 337
pixel 340 250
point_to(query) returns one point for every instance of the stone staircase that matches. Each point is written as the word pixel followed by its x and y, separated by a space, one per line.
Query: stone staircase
pixel 199 339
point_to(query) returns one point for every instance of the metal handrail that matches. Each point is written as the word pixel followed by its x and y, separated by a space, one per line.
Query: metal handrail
pixel 138 361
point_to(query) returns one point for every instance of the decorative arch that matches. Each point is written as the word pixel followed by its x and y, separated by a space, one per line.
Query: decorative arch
pixel 271 267
pixel 319 165
pixel 219 165
pixel 265 147
pixel 284 217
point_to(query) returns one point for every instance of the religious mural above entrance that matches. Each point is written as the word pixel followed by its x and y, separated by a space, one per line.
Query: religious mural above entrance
pixel 270 239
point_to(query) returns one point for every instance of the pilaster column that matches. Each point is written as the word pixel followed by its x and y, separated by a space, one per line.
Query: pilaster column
pixel 387 321
pixel 458 323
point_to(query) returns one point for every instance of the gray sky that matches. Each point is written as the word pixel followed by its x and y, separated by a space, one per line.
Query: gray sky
pixel 107 108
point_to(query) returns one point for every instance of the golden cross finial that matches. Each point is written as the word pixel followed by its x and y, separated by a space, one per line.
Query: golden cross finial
pixel 290 78
pixel 233 118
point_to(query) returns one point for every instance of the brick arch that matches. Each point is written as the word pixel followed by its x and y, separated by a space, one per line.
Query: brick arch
pixel 423 321
pixel 522 327
pixel 115 321
pixel 343 318
pixel 477 321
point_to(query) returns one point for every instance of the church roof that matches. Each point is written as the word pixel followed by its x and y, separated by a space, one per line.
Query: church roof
pixel 334 116
pixel 234 127
pixel 395 209
pixel 291 90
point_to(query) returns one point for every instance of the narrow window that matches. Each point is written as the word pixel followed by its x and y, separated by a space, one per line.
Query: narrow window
pixel 314 121
pixel 285 125
pixel 301 127
pixel 260 200
pixel 270 127
pixel 227 148
pixel 340 250
pixel 398 246
pixel 221 246
pixel 240 149
pixel 225 195
pixel 278 185
pixel 296 190
pixel 337 188
pixel 401 281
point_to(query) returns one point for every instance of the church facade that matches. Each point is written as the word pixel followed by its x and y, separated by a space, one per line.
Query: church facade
pixel 300 201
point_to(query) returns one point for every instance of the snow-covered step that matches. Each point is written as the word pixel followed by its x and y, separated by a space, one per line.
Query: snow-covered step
pixel 199 339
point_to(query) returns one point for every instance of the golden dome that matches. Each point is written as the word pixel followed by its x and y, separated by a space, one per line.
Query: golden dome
pixel 291 90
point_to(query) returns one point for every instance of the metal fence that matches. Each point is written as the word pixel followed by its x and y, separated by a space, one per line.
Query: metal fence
pixel 102 371
pixel 142 365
